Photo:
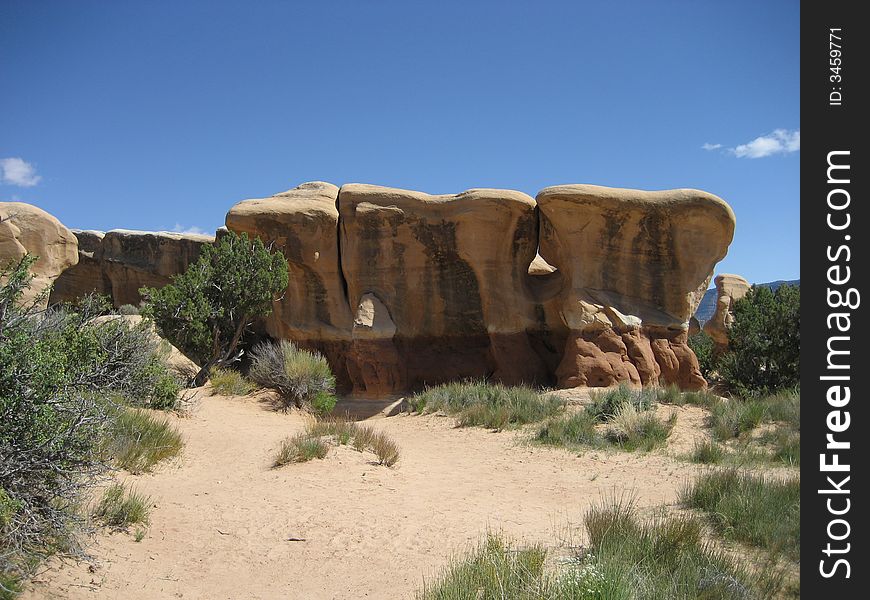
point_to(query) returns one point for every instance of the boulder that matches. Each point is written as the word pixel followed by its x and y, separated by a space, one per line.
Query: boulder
pixel 729 289
pixel 24 229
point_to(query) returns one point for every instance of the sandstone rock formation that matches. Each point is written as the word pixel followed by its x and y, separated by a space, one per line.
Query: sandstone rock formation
pixel 585 286
pixel 729 289
pixel 119 262
pixel 631 260
pixel 24 228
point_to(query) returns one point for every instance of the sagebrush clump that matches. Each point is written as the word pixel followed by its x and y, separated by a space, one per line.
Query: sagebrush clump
pixel 301 377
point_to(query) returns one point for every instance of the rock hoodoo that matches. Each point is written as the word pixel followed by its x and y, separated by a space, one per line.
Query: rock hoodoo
pixel 583 286
pixel 24 229
pixel 729 289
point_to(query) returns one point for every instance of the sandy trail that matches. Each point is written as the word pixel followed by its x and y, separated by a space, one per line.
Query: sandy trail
pixel 222 519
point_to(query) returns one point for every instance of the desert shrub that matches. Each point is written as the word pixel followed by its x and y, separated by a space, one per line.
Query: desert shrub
pixel 121 508
pixel 385 449
pixel 302 378
pixel 703 347
pixel 206 310
pixel 707 452
pixel 228 382
pixel 137 441
pixel 568 430
pixel 60 379
pixel 494 406
pixel 300 448
pixel 361 437
pixel 763 342
pixel 764 512
pixel 128 309
pixel 605 404
pixel 632 429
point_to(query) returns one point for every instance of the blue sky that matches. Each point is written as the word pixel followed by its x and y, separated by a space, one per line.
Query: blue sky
pixel 162 115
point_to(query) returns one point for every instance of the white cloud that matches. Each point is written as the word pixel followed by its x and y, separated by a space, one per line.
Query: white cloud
pixel 16 171
pixel 781 141
pixel 179 228
pixel 709 146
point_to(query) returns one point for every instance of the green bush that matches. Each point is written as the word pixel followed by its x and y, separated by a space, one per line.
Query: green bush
pixel 302 378
pixel 227 382
pixel 763 342
pixel 61 376
pixel 703 347
pixel 206 310
pixel 121 508
pixel 495 406
pixel 128 309
pixel 761 511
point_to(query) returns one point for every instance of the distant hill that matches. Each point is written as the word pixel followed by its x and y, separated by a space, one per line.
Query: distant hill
pixel 708 302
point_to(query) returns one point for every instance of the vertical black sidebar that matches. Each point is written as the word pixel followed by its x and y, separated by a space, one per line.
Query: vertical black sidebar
pixel 835 301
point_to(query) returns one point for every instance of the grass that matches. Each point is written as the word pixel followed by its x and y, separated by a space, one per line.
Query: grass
pixel 121 508
pixel 577 429
pixel 665 557
pixel 733 418
pixel 360 437
pixel 629 429
pixel 606 404
pixel 301 448
pixel 227 382
pixel 763 512
pixel 494 406
pixel 632 429
pixel 708 452
pixel 493 570
pixel 138 441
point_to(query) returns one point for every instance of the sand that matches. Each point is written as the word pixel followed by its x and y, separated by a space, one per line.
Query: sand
pixel 227 525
